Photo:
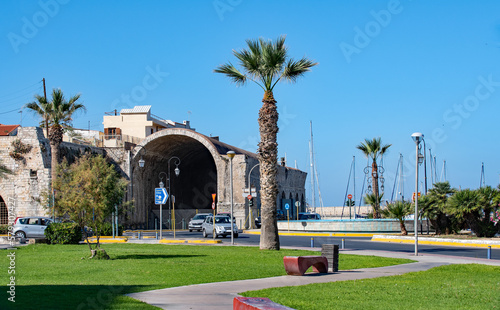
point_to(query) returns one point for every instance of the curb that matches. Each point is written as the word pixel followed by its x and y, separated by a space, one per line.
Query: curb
pixel 438 241
pixel 181 241
pixel 312 234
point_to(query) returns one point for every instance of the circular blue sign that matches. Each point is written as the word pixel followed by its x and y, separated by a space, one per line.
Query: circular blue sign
pixel 287 206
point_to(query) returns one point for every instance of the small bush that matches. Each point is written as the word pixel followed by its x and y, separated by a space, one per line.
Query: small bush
pixel 4 229
pixel 63 233
pixel 107 229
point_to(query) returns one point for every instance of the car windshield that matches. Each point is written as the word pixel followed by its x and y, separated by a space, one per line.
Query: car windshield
pixel 222 219
pixel 200 217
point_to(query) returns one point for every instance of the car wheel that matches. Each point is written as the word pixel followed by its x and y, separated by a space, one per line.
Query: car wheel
pixel 190 230
pixel 204 233
pixel 235 235
pixel 21 234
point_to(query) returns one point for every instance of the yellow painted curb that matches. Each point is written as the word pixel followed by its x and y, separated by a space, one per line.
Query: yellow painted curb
pixel 172 241
pixel 109 240
pixel 312 234
pixel 111 237
pixel 205 241
pixel 445 243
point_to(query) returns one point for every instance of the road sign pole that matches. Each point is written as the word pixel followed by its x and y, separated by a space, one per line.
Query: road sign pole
pixel 161 221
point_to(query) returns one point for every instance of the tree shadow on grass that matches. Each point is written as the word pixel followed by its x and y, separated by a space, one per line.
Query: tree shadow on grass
pixel 151 256
pixel 73 297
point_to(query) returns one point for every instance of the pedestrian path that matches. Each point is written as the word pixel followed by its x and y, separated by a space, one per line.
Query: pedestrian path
pixel 220 295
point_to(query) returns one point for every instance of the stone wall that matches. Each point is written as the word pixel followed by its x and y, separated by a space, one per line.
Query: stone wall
pixel 30 181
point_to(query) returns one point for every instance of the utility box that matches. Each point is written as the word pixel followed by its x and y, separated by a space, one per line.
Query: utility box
pixel 331 252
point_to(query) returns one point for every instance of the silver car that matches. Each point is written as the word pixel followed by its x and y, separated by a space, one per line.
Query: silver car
pixel 31 226
pixel 196 221
pixel 222 226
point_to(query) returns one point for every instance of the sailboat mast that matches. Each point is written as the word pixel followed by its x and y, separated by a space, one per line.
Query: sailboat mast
pixel 311 152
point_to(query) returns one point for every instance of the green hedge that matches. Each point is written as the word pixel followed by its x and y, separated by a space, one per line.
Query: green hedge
pixel 63 233
pixel 107 229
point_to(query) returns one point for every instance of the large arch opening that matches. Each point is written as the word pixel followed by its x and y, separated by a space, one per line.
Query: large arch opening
pixel 192 188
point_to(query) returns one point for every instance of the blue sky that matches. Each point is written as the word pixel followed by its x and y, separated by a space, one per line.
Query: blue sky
pixel 386 69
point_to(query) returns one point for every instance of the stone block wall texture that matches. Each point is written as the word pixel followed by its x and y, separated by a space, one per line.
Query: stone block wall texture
pixel 26 188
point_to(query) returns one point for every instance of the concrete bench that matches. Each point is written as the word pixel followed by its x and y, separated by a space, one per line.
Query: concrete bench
pixel 256 303
pixel 298 265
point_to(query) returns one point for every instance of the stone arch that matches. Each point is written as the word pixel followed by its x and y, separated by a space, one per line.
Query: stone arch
pixel 201 167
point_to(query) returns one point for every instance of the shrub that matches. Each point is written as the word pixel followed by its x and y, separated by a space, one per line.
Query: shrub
pixel 107 229
pixel 4 229
pixel 63 233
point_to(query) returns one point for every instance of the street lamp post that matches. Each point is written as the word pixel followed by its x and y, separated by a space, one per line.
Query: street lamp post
pixel 162 185
pixel 231 154
pixel 417 137
pixel 176 171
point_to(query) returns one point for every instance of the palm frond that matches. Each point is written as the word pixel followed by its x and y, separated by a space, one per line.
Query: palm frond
pixel 233 73
pixel 295 69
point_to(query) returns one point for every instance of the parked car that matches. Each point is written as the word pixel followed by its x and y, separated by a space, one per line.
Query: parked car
pixel 280 215
pixel 31 226
pixel 226 214
pixel 309 216
pixel 257 222
pixel 222 226
pixel 196 221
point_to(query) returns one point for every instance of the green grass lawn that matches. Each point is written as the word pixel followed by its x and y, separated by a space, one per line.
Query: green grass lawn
pixel 56 276
pixel 445 287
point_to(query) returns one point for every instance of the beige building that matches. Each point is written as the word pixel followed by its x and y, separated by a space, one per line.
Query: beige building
pixel 135 124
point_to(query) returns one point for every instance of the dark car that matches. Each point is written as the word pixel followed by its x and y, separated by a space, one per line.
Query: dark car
pixel 309 216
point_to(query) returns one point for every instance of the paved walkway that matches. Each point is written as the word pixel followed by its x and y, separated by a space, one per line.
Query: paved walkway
pixel 220 295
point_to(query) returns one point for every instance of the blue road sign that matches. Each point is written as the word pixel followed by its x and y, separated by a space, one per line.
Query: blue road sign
pixel 287 206
pixel 161 195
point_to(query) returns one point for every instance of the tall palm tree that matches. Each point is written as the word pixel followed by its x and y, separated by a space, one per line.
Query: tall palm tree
pixel 58 114
pixel 373 149
pixel 266 63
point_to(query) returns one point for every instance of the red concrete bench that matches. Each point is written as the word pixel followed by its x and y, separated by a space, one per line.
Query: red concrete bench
pixel 298 265
pixel 256 303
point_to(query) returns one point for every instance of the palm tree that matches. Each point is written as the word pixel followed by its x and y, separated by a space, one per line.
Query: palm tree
pixel 373 201
pixel 398 210
pixel 373 149
pixel 58 114
pixel 436 208
pixel 266 63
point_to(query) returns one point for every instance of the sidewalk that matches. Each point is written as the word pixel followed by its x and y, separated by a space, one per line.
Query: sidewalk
pixel 220 295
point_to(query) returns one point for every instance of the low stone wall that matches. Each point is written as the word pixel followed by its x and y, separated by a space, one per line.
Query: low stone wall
pixel 358 225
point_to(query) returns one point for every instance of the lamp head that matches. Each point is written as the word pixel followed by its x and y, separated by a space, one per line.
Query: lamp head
pixel 231 154
pixel 417 137
pixel 177 171
pixel 141 162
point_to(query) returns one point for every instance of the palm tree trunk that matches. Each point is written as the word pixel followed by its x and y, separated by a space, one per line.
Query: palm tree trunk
pixel 376 207
pixel 268 159
pixel 55 139
pixel 404 232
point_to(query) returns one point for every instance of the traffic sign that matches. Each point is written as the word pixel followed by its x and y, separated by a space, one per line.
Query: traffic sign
pixel 349 196
pixel 213 205
pixel 161 195
pixel 249 197
pixel 297 204
pixel 213 197
pixel 287 206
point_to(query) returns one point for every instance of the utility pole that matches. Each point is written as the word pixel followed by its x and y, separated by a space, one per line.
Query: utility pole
pixel 46 116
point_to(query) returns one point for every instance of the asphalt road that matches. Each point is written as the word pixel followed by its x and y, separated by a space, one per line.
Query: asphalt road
pixel 351 243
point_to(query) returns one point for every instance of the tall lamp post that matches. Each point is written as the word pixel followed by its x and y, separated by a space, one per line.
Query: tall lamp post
pixel 417 137
pixel 170 197
pixel 162 185
pixel 231 154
